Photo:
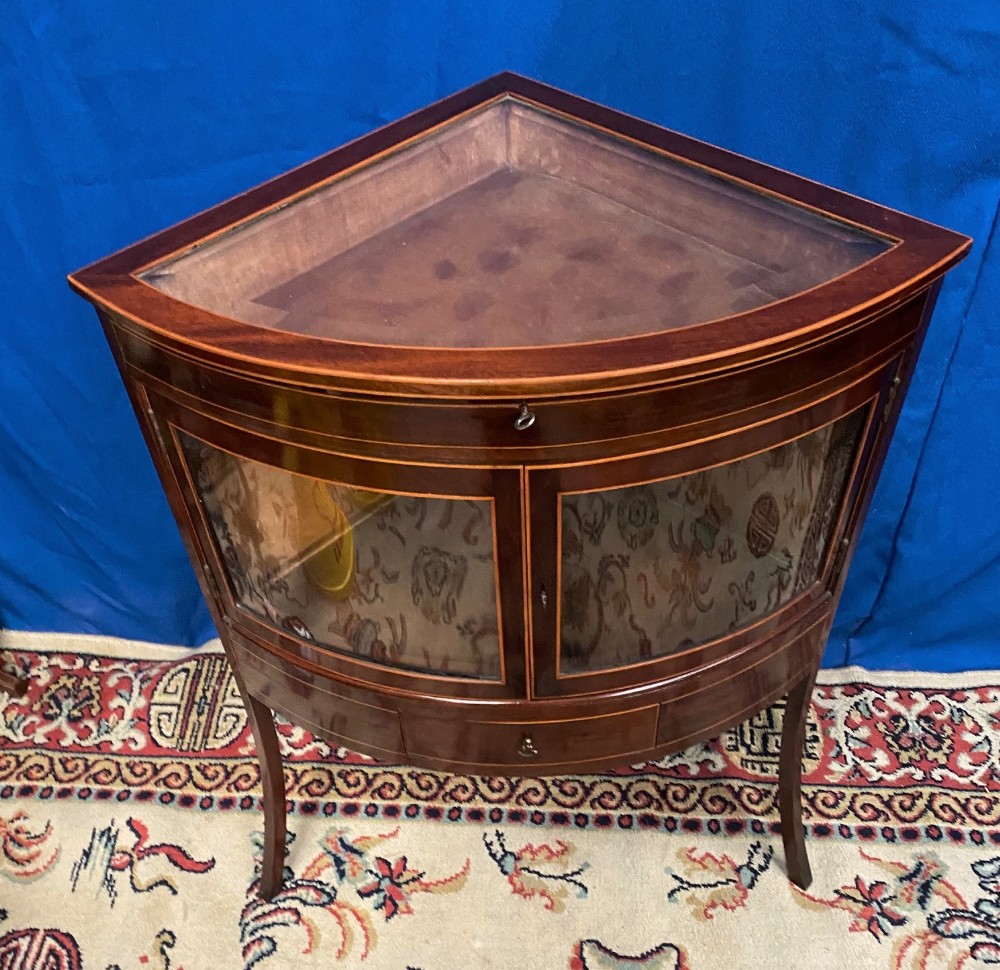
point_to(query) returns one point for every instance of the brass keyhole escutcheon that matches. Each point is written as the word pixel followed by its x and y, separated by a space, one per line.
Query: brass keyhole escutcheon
pixel 525 418
pixel 526 747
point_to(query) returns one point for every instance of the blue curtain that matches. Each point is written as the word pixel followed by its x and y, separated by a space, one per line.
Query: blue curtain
pixel 117 119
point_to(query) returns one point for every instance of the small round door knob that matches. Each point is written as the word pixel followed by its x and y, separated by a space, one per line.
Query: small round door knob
pixel 526 747
pixel 525 418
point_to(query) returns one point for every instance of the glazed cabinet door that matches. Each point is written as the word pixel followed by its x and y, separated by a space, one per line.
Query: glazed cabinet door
pixel 402 574
pixel 643 566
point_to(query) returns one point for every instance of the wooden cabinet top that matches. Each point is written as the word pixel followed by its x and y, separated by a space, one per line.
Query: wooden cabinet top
pixel 516 240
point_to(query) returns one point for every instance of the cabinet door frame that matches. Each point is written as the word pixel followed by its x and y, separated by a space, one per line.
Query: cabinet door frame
pixel 500 486
pixel 545 486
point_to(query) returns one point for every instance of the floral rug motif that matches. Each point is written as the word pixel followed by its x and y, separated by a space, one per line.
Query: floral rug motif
pixel 130 826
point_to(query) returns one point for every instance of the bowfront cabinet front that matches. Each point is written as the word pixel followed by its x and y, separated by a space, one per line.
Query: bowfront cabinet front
pixel 521 436
pixel 536 616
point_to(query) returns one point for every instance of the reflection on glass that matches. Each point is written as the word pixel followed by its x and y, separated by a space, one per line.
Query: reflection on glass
pixel 404 581
pixel 656 568
pixel 514 227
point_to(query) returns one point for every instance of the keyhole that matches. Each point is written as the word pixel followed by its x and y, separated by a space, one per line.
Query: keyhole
pixel 544 597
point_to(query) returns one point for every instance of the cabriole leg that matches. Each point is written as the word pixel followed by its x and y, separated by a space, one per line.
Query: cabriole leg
pixel 272 782
pixel 793 734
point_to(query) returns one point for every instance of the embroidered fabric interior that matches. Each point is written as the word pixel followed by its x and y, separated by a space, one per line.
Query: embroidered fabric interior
pixel 404 581
pixel 410 582
pixel 656 568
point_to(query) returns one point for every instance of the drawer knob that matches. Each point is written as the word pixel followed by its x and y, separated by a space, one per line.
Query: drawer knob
pixel 526 747
pixel 525 418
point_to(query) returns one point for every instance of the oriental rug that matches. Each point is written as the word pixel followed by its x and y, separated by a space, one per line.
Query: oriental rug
pixel 130 822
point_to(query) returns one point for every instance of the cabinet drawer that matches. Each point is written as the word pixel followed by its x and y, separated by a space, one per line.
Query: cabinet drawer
pixel 527 743
pixel 381 426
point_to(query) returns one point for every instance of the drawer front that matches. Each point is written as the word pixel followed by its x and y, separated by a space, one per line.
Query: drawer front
pixel 557 428
pixel 530 744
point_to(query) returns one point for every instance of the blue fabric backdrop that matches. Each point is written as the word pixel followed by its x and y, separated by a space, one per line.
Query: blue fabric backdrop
pixel 117 119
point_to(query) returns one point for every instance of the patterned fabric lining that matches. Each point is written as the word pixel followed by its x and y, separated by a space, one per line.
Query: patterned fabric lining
pixel 656 568
pixel 405 581
pixel 646 570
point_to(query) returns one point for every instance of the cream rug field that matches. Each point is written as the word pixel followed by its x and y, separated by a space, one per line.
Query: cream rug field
pixel 129 821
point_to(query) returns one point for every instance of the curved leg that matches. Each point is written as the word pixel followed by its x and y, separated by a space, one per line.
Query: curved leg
pixel 793 733
pixel 272 782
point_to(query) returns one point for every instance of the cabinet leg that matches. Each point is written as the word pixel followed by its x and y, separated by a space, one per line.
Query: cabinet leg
pixel 272 782
pixel 790 781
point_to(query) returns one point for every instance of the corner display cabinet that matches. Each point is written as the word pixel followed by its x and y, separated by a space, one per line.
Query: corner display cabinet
pixel 522 436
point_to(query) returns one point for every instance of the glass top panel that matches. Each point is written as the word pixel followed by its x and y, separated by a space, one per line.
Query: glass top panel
pixel 514 227
pixel 403 581
pixel 649 570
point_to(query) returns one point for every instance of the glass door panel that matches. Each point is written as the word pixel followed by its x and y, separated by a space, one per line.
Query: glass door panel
pixel 405 581
pixel 652 569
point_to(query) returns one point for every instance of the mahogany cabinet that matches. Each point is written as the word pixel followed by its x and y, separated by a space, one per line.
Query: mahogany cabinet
pixel 521 435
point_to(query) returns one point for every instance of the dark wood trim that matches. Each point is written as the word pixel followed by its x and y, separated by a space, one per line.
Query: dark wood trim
pixel 861 500
pixel 695 705
pixel 567 429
